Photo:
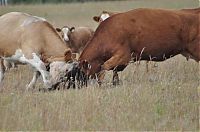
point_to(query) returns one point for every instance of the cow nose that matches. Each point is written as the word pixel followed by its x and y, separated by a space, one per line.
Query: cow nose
pixel 66 38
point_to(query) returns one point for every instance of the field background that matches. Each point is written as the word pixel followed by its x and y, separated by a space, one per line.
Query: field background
pixel 165 98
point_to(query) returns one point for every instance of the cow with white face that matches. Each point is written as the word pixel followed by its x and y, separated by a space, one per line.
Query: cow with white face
pixel 103 16
pixel 65 31
pixel 31 40
pixel 76 38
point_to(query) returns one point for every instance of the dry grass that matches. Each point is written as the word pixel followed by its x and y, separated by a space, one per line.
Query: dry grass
pixel 165 98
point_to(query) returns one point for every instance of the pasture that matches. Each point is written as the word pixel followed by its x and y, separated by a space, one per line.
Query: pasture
pixel 165 98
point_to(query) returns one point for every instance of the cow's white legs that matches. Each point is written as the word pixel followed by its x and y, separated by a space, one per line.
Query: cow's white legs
pixel 2 70
pixel 39 66
pixel 7 65
pixel 35 62
pixel 32 83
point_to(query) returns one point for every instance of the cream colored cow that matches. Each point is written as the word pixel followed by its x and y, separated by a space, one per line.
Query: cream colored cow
pixel 31 40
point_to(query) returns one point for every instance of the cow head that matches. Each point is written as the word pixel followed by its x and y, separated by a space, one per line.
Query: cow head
pixel 65 32
pixel 85 66
pixel 103 16
pixel 89 68
pixel 60 71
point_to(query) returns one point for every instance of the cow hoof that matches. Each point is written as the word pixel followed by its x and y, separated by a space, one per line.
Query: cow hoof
pixel 116 83
pixel 48 85
pixel 45 89
pixel 29 87
pixel 42 90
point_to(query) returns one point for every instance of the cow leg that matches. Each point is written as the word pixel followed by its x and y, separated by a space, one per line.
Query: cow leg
pixel 37 63
pixel 115 80
pixel 100 77
pixel 2 70
pixel 13 65
pixel 116 60
pixel 32 83
pixel 147 66
pixel 7 64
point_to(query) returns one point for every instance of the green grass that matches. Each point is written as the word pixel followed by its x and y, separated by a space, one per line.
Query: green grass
pixel 165 98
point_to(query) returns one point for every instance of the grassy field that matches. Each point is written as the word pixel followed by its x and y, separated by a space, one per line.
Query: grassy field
pixel 165 98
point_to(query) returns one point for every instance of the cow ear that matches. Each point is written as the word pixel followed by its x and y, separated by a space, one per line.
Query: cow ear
pixel 96 18
pixel 74 56
pixel 68 55
pixel 72 29
pixel 58 29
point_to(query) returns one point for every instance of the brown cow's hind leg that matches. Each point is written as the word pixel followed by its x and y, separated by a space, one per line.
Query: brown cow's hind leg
pixel 115 80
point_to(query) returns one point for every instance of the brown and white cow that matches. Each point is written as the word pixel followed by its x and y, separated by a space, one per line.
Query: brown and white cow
pixel 103 16
pixel 31 40
pixel 141 34
pixel 76 38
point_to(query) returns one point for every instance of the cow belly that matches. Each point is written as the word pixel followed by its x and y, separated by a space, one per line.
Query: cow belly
pixel 158 56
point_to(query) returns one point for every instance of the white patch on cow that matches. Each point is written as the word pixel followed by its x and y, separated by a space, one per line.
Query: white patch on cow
pixel 38 64
pixel 35 62
pixel 32 19
pixel 104 16
pixel 15 57
pixel 65 33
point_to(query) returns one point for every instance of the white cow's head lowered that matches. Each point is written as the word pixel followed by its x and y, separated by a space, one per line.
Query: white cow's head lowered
pixel 60 69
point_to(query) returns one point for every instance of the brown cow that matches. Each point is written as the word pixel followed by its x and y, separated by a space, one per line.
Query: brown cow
pixel 76 38
pixel 103 16
pixel 31 40
pixel 141 34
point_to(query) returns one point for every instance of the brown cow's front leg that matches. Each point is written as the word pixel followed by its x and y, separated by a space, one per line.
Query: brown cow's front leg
pixel 113 62
pixel 116 60
pixel 100 77
pixel 115 80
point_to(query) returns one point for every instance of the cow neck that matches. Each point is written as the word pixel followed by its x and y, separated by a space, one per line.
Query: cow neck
pixel 91 52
